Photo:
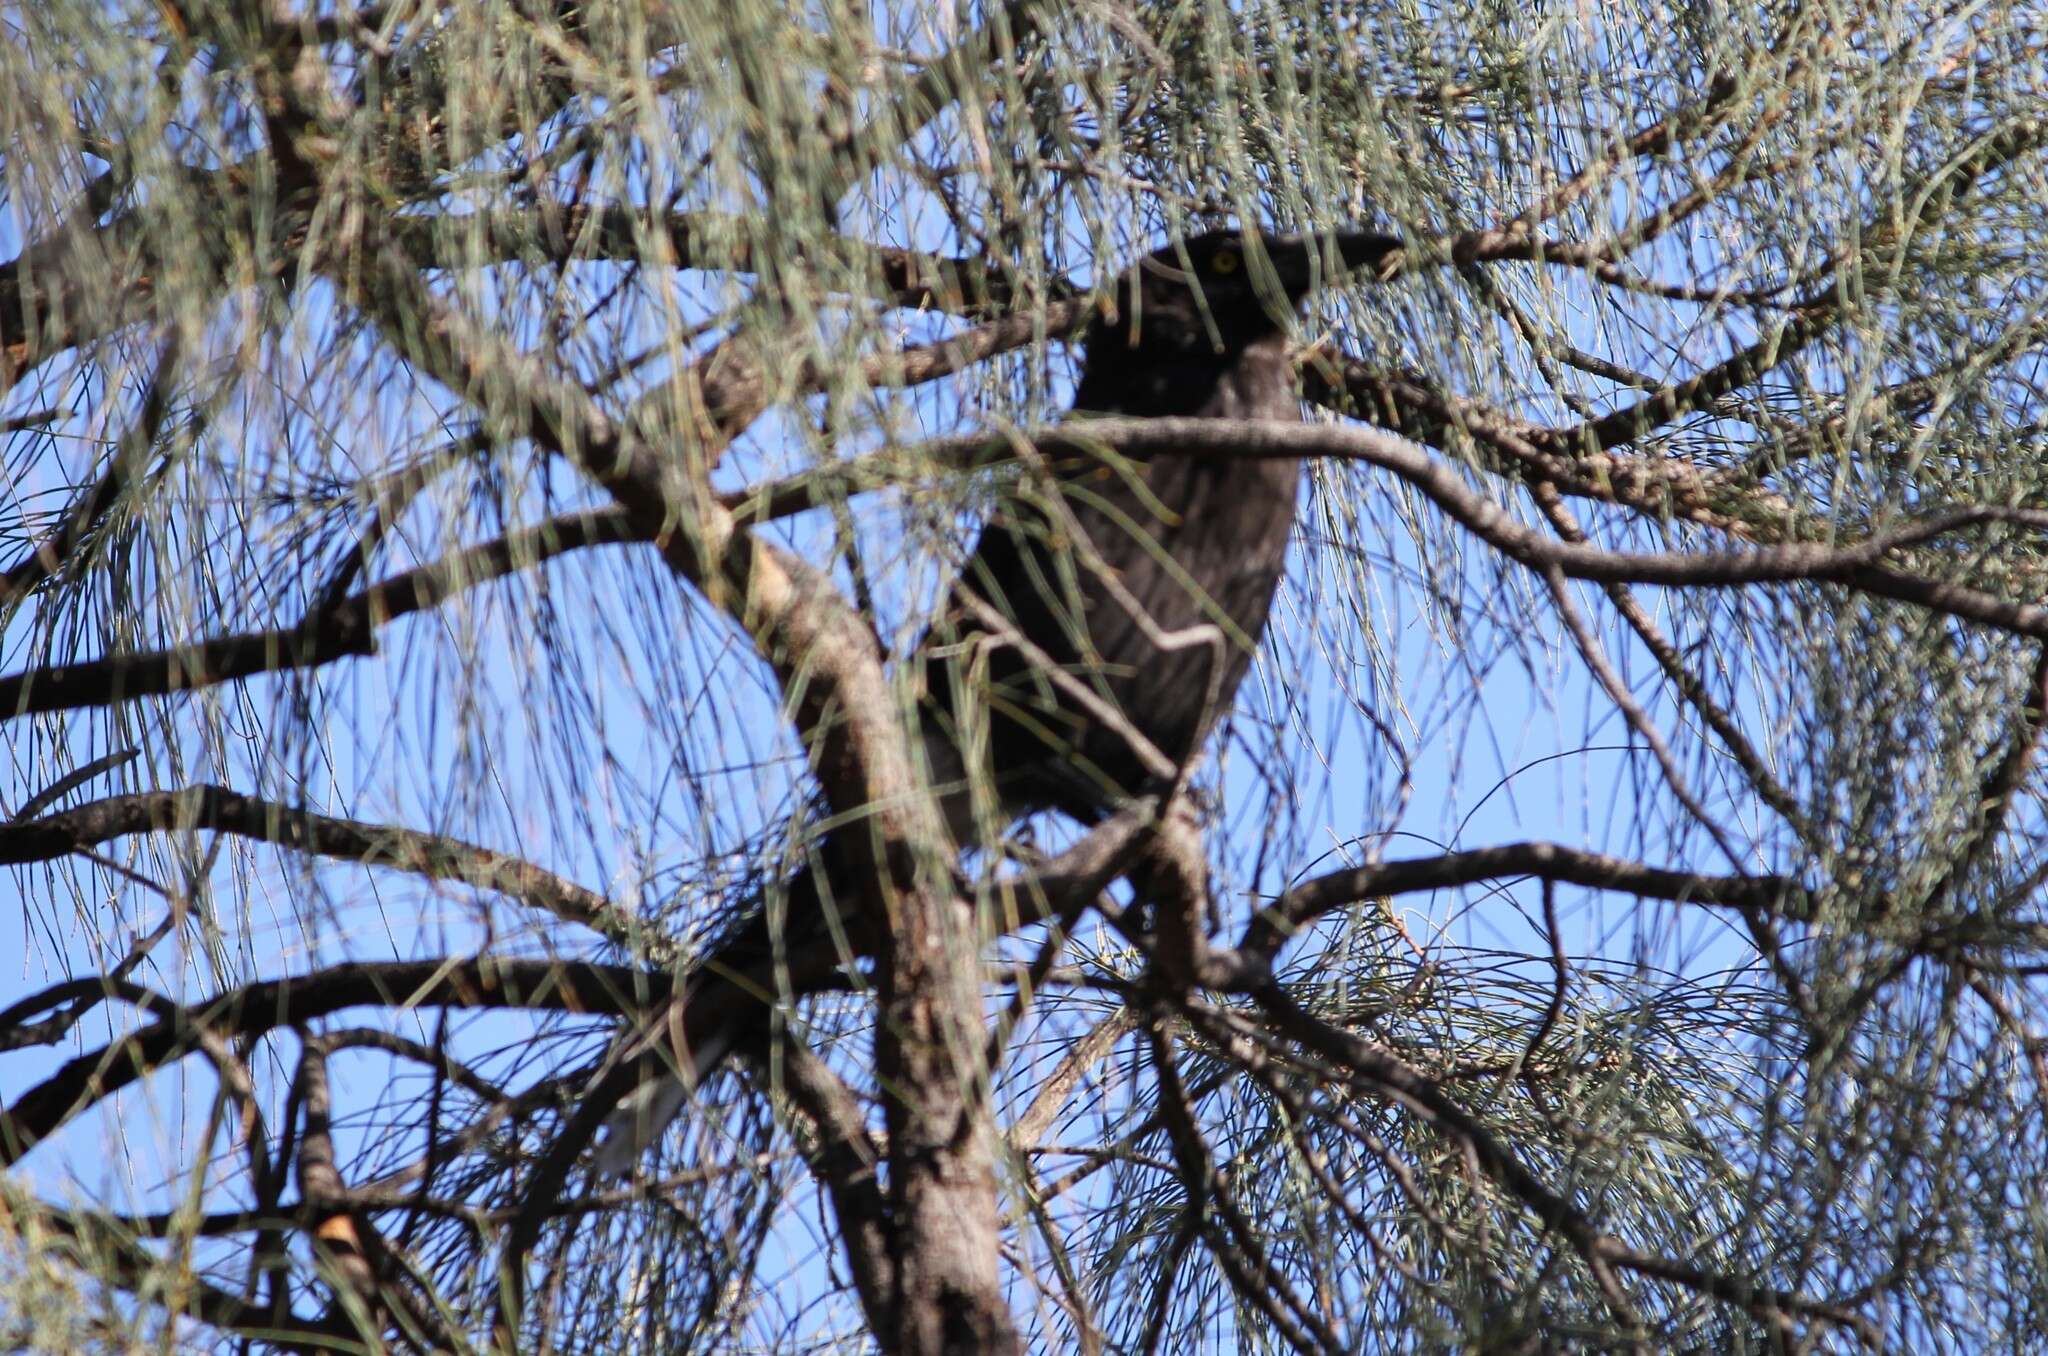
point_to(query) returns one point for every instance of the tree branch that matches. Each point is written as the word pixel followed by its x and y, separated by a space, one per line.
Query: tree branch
pixel 572 232
pixel 131 450
pixel 1854 565
pixel 223 810
pixel 845 1160
pixel 582 988
pixel 117 1257
pixel 1239 1251
pixel 344 630
pixel 1302 904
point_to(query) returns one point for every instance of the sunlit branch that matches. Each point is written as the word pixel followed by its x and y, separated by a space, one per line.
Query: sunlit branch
pixel 828 662
pixel 348 1250
pixel 223 810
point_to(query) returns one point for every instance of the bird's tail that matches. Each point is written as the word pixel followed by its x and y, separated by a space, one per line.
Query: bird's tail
pixel 646 1112
pixel 723 1006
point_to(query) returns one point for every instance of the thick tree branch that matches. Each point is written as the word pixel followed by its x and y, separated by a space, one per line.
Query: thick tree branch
pixel 572 232
pixel 254 1009
pixel 1303 904
pixel 846 1160
pixel 343 630
pixel 1856 565
pixel 941 1143
pixel 114 1254
pixel 345 1248
pixel 220 809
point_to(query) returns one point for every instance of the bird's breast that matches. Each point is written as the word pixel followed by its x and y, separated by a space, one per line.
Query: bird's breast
pixel 1198 543
pixel 1151 583
pixel 1222 520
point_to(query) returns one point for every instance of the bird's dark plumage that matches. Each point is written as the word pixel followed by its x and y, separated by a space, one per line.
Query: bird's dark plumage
pixel 1149 582
pixel 1198 546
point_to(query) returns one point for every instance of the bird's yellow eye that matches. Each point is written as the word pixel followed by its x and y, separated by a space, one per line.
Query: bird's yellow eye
pixel 1225 261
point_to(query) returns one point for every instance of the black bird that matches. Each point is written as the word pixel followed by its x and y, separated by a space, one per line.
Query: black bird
pixel 1146 585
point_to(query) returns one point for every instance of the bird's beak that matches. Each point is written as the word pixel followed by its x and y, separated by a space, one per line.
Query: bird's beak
pixel 1367 251
pixel 1303 263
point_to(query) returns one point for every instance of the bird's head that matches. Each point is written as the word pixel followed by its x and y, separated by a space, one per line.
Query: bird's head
pixel 1226 289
